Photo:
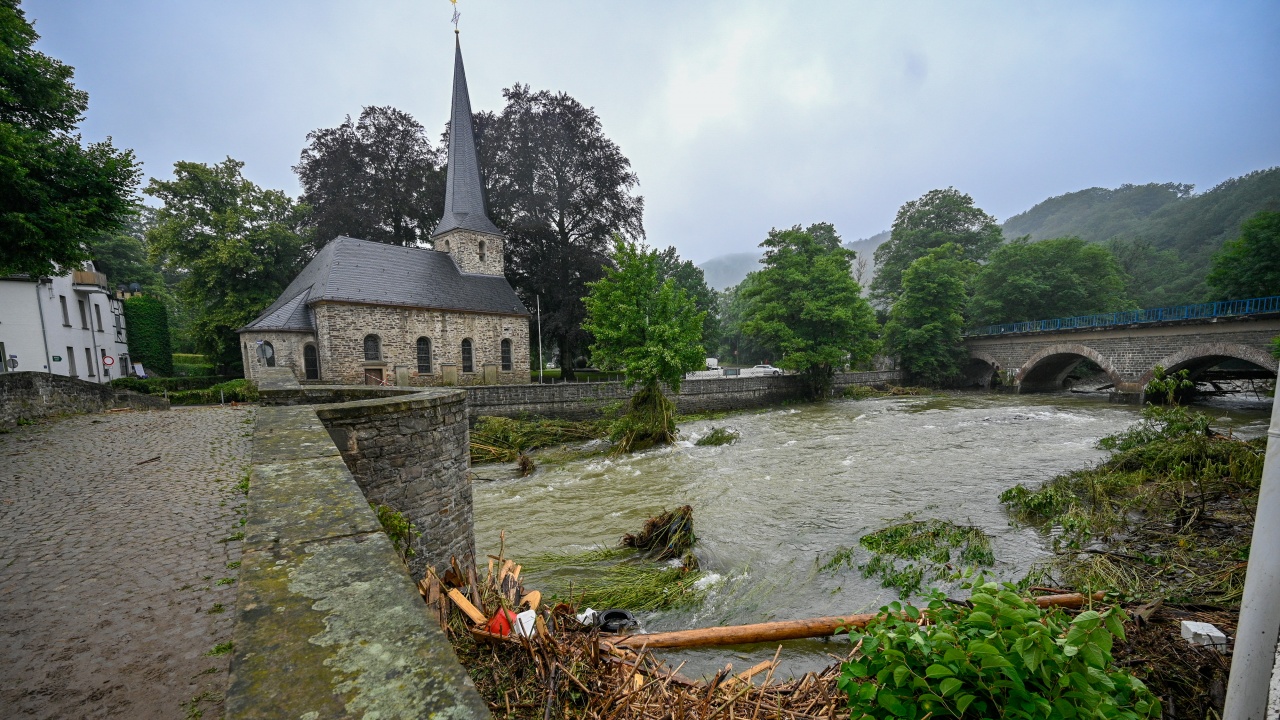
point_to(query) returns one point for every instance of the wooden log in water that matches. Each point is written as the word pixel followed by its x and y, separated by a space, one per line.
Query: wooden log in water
pixel 789 629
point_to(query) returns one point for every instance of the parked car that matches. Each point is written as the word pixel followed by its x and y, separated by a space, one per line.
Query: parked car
pixel 766 370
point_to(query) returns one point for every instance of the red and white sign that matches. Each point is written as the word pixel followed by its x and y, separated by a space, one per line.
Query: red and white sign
pixel 108 360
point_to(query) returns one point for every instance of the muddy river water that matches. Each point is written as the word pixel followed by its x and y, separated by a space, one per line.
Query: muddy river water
pixel 805 480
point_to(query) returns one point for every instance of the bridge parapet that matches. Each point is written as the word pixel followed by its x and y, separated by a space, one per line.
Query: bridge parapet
pixel 1252 307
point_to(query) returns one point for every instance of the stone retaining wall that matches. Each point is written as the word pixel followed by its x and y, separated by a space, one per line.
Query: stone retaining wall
pixel 35 395
pixel 329 623
pixel 412 454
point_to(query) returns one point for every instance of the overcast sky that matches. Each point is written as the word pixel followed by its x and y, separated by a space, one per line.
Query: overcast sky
pixel 737 116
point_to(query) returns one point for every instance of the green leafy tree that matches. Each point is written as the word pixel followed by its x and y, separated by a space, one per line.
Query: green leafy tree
pixel 1249 266
pixel 124 257
pixel 926 325
pixel 58 194
pixel 1026 280
pixel 236 245
pixel 689 278
pixel 937 218
pixel 650 329
pixel 736 345
pixel 806 303
pixel 147 323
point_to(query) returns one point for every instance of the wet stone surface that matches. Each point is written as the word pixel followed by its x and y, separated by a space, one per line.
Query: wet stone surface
pixel 110 600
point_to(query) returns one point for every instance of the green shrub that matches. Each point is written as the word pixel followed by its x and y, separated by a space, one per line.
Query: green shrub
pixel 239 390
pixel 147 325
pixel 188 370
pixel 158 386
pixel 1004 657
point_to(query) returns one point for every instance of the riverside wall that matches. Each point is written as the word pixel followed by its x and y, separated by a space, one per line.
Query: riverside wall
pixel 329 622
pixel 30 396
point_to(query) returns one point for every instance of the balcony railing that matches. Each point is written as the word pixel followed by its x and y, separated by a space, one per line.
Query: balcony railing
pixel 1203 311
pixel 88 279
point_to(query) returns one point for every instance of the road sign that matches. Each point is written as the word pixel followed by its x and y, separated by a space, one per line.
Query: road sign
pixel 57 358
pixel 108 360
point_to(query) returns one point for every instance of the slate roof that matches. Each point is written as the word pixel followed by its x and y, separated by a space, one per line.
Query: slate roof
pixel 359 271
pixel 463 191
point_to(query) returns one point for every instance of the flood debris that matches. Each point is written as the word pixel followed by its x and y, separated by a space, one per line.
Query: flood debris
pixel 503 439
pixel 906 553
pixel 666 535
pixel 718 436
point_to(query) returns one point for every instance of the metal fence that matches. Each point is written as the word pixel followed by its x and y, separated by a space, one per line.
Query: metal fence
pixel 1225 308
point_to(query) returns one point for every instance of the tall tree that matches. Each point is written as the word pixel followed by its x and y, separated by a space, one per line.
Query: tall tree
pixel 926 325
pixel 806 303
pixel 736 345
pixel 58 194
pixel 648 327
pixel 937 218
pixel 378 178
pixel 236 245
pixel 689 277
pixel 1249 266
pixel 560 189
pixel 1026 280
pixel 123 255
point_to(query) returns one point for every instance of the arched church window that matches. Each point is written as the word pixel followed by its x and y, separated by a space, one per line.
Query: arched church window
pixel 424 356
pixel 372 348
pixel 506 355
pixel 268 354
pixel 311 362
pixel 481 251
pixel 468 362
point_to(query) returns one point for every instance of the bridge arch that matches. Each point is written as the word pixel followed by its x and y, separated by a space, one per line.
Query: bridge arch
pixel 981 370
pixel 1046 370
pixel 1198 358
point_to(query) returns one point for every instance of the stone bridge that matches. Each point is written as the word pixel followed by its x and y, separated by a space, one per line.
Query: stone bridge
pixel 1040 361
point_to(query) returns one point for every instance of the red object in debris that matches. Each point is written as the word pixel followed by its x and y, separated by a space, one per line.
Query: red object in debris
pixel 501 622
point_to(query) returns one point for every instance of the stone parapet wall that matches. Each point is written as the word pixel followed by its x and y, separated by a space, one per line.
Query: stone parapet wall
pixel 30 396
pixel 412 454
pixel 329 623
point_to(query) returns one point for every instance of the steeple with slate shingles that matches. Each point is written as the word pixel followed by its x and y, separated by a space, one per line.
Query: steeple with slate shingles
pixel 464 195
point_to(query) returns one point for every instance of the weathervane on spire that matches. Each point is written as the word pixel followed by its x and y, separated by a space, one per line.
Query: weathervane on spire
pixel 456 16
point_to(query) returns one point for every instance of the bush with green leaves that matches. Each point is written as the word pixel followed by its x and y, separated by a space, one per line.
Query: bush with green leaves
pixel 1003 657
pixel 231 391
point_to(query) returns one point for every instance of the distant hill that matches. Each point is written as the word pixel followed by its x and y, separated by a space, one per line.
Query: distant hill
pixel 725 271
pixel 1164 226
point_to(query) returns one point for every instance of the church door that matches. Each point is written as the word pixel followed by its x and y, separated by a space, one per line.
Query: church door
pixel 373 376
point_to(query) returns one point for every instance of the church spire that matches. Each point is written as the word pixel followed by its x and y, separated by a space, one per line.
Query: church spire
pixel 464 194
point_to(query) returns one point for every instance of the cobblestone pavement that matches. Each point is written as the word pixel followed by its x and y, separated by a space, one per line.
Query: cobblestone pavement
pixel 115 579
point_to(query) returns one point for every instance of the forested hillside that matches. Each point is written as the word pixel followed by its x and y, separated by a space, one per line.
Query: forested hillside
pixel 1163 234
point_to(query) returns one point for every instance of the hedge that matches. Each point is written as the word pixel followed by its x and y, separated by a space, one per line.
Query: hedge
pixel 231 391
pixel 147 324
pixel 157 386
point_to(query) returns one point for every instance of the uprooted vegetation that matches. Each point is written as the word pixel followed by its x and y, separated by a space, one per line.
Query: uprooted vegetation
pixel 502 439
pixel 1169 515
pixel 864 392
pixel 718 436
pixel 908 552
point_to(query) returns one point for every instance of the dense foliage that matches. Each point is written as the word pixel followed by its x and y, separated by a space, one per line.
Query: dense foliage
pixel 806 303
pixel 926 325
pixel 236 244
pixel 937 218
pixel 737 346
pixel 689 278
pixel 377 178
pixel 997 656
pixel 146 322
pixel 1062 277
pixel 561 190
pixel 649 328
pixel 1249 266
pixel 58 194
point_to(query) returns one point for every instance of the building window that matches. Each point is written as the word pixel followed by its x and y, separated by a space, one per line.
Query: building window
pixel 481 251
pixel 468 363
pixel 66 318
pixel 424 356
pixel 71 362
pixel 84 316
pixel 372 348
pixel 119 329
pixel 125 369
pixel 311 362
pixel 4 359
pixel 97 313
pixel 268 354
pixel 106 371
pixel 506 355
pixel 447 247
pixel 88 360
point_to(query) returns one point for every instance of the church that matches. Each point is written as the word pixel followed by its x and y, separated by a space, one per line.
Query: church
pixel 369 313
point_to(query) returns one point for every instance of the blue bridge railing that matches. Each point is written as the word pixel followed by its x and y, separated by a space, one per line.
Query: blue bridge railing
pixel 1224 308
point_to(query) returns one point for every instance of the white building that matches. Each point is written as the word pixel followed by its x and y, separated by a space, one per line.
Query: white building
pixel 68 325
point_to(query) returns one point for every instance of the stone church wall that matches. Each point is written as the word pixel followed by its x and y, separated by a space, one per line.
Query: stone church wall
pixel 287 346
pixel 342 328
pixel 465 246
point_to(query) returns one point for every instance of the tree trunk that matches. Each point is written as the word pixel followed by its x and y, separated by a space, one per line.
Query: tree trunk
pixel 566 358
